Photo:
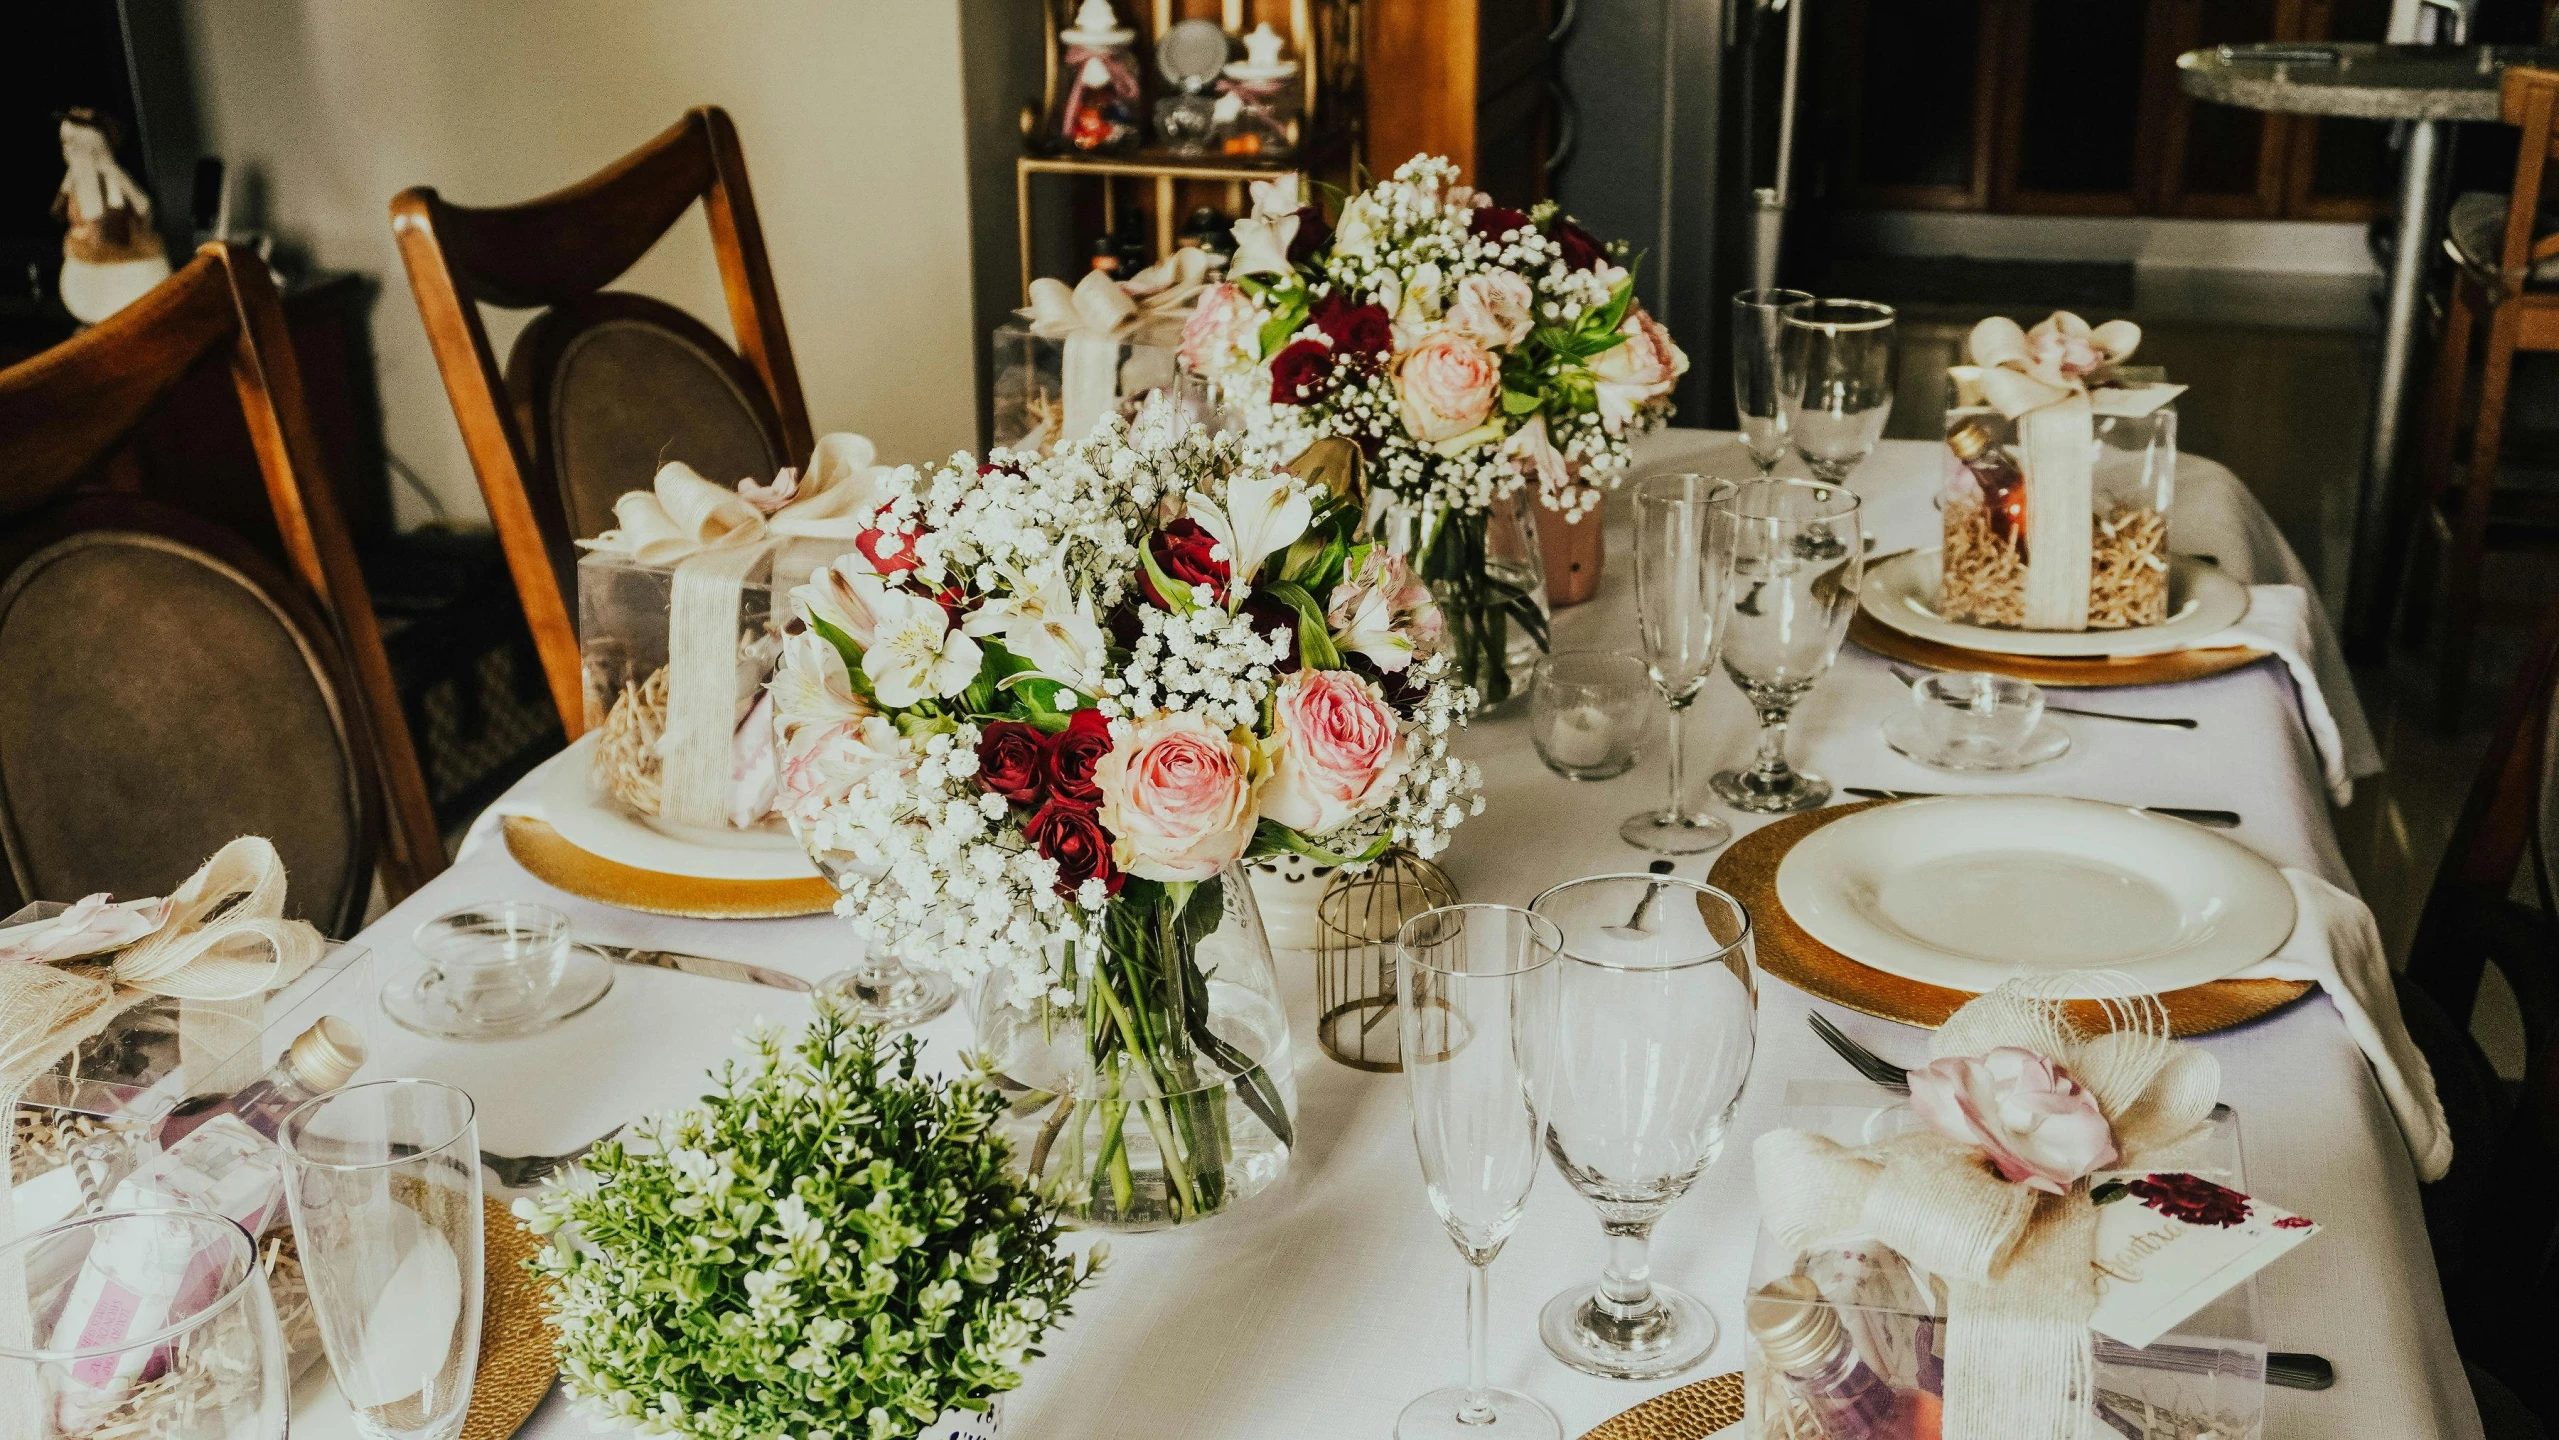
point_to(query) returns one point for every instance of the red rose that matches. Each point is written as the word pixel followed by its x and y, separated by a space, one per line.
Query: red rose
pixel 888 551
pixel 1181 551
pixel 1582 249
pixel 1297 372
pixel 1364 330
pixel 2190 1198
pixel 1073 755
pixel 1311 234
pixel 1070 835
pixel 1012 761
pixel 1492 222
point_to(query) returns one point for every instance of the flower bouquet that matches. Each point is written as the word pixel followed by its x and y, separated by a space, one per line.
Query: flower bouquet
pixel 1036 718
pixel 1466 349
pixel 829 1244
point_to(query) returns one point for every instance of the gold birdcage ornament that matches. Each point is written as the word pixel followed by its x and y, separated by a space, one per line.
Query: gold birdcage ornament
pixel 1356 921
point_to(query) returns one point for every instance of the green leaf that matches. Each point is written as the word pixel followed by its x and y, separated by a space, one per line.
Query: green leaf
pixel 1516 402
pixel 1276 330
pixel 1178 597
pixel 851 652
pixel 1314 637
pixel 1271 838
pixel 1201 913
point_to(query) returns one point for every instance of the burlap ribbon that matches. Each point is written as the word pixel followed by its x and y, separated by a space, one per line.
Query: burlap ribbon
pixel 2016 1261
pixel 1094 317
pixel 719 540
pixel 217 944
pixel 2026 375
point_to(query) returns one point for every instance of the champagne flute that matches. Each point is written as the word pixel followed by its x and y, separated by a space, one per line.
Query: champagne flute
pixel 1683 579
pixel 1799 555
pixel 1475 993
pixel 1759 335
pixel 1837 382
pixel 1656 1018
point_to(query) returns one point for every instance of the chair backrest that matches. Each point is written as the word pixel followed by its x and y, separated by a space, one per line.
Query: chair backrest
pixel 67 414
pixel 2529 101
pixel 602 386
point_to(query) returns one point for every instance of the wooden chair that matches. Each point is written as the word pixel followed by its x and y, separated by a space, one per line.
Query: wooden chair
pixel 2505 296
pixel 603 385
pixel 167 688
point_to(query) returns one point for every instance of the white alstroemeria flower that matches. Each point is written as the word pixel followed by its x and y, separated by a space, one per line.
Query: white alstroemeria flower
pixel 1261 245
pixel 1261 517
pixel 845 595
pixel 1046 624
pixel 1277 196
pixel 917 655
pixel 1355 236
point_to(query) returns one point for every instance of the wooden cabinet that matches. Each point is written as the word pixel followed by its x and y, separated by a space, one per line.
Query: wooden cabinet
pixel 1469 79
pixel 2061 107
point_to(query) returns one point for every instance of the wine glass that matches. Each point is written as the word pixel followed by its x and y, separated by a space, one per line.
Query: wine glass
pixel 1656 1016
pixel 880 989
pixel 1759 334
pixel 385 1192
pixel 1683 578
pixel 1799 555
pixel 1475 990
pixel 153 1322
pixel 1837 382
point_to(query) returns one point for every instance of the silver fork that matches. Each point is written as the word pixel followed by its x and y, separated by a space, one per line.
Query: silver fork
pixel 2173 722
pixel 522 1172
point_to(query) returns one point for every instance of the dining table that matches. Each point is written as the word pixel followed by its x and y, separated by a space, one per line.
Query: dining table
pixel 1324 1305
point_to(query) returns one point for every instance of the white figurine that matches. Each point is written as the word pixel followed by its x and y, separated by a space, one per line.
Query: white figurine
pixel 111 255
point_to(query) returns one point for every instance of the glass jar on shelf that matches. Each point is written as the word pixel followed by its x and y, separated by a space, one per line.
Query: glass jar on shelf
pixel 1097 109
pixel 1189 57
pixel 1260 100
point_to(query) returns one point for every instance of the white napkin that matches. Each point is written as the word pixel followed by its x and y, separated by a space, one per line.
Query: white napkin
pixel 2287 620
pixel 2335 944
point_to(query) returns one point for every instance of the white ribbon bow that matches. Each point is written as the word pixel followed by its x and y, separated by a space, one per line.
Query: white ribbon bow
pixel 1095 316
pixel 681 514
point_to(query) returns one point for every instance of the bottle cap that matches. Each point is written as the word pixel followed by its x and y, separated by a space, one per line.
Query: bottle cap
pixel 1969 441
pixel 325 1056
pixel 1095 25
pixel 1262 63
pixel 1797 1329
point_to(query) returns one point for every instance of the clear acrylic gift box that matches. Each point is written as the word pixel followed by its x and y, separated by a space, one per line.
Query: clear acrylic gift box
pixel 1043 396
pixel 1821 1327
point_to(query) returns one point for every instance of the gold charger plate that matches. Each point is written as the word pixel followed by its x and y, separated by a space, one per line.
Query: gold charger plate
pixel 1691 1412
pixel 1748 872
pixel 554 861
pixel 518 1351
pixel 2059 673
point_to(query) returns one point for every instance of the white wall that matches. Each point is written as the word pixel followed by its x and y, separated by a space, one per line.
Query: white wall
pixel 850 111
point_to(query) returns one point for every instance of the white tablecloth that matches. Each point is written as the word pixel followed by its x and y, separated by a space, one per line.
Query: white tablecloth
pixel 1321 1308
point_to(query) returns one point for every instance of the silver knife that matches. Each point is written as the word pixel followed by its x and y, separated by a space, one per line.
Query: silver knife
pixel 2218 819
pixel 705 965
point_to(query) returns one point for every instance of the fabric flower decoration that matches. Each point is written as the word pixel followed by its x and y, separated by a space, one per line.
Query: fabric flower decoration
pixel 2035 1123
pixel 2192 1199
pixel 90 925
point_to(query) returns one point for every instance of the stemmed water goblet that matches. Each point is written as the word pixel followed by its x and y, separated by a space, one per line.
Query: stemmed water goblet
pixel 1656 1017
pixel 1475 995
pixel 1799 555
pixel 1837 382
pixel 1759 348
pixel 1683 576
pixel 881 988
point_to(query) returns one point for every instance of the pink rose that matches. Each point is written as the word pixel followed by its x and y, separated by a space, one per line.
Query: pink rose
pixel 1447 384
pixel 1495 307
pixel 1337 751
pixel 822 763
pixel 2031 1118
pixel 2058 350
pixel 1178 798
pixel 1223 335
pixel 1644 366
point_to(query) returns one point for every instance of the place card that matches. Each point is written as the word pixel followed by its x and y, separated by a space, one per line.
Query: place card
pixel 2170 1243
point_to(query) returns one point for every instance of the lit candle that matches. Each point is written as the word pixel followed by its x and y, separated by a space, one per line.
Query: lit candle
pixel 1581 737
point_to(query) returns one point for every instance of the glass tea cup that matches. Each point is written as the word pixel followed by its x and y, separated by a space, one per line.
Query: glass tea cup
pixel 495 965
pixel 1587 707
pixel 1970 718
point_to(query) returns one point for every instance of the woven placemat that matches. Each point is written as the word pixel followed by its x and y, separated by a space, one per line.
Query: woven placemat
pixel 1748 872
pixel 518 1355
pixel 1691 1412
pixel 2055 672
pixel 557 863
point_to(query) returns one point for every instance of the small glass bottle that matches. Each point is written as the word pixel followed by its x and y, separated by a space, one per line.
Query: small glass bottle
pixel 1098 108
pixel 1259 103
pixel 318 1061
pixel 1800 1335
pixel 2003 486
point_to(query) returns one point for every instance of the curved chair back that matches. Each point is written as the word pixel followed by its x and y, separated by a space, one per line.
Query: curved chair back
pixel 603 386
pixel 67 414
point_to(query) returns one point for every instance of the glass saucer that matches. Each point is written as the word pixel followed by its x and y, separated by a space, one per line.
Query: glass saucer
pixel 419 1001
pixel 2048 743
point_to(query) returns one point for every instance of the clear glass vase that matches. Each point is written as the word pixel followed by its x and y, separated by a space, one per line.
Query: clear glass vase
pixel 1486 571
pixel 1162 1093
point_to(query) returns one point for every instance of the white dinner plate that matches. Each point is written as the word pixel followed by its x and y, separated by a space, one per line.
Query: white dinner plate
pixel 596 823
pixel 2202 602
pixel 1968 890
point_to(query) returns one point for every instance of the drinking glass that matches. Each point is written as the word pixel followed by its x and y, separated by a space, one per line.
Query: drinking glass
pixel 384 1183
pixel 1586 708
pixel 1475 993
pixel 1656 1013
pixel 1683 579
pixel 151 1322
pixel 491 971
pixel 1759 347
pixel 1799 554
pixel 882 989
pixel 1838 382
